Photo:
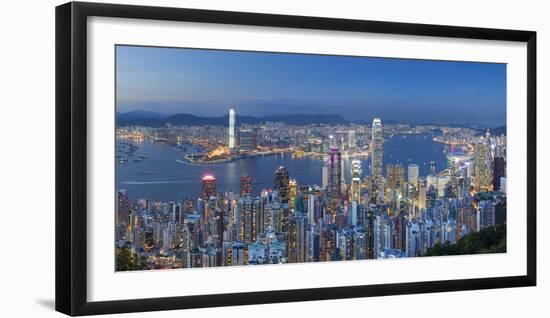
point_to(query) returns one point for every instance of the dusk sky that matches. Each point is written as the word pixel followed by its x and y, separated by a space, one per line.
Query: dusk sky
pixel 209 82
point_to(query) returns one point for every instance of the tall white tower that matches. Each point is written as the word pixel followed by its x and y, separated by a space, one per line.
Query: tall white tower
pixel 231 133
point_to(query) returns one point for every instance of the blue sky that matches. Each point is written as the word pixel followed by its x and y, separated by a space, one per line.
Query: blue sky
pixel 208 82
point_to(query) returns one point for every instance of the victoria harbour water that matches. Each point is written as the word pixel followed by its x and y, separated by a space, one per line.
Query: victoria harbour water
pixel 165 176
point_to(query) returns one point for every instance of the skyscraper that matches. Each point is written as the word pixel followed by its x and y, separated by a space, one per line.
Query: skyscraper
pixel 482 167
pixel 293 187
pixel 208 186
pixel 395 174
pixel 356 180
pixel 231 132
pixel 413 173
pixel 123 207
pixel 246 185
pixel 377 141
pixel 499 171
pixel 282 184
pixel 399 172
pixel 334 176
pixel 246 139
pixel 422 193
pixel 325 176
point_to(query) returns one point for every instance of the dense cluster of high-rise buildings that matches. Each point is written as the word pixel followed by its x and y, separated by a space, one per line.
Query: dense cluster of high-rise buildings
pixel 372 215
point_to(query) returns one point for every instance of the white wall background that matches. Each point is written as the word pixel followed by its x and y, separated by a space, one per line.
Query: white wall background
pixel 27 157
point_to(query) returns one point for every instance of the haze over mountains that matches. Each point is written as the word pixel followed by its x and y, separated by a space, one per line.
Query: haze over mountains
pixel 146 118
pixel 154 119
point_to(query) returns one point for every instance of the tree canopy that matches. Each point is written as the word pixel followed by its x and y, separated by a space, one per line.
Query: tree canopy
pixel 488 240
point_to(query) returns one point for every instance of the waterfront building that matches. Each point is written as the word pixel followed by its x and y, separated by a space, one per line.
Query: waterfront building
pixel 413 173
pixel 282 184
pixel 395 175
pixel 231 130
pixel 246 185
pixel 246 139
pixel 208 186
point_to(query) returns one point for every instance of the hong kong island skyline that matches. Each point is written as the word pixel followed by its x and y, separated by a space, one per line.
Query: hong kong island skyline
pixel 294 181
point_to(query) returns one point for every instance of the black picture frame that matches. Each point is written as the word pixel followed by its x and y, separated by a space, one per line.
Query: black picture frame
pixel 71 157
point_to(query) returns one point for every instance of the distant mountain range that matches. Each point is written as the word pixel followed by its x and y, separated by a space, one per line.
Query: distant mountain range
pixel 152 119
pixel 496 131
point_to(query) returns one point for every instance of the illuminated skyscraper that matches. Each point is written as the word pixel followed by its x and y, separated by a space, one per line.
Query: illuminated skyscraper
pixel 208 186
pixel 246 185
pixel 399 172
pixel 231 132
pixel 355 180
pixel 482 167
pixel 293 187
pixel 247 227
pixel 377 141
pixel 413 173
pixel 334 167
pixel 395 174
pixel 282 184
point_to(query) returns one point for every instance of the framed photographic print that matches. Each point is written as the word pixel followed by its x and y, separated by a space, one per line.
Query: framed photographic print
pixel 209 158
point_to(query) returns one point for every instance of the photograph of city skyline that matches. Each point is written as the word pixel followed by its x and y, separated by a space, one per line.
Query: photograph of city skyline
pixel 235 158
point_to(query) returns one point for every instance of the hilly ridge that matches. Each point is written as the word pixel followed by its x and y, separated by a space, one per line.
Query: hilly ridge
pixel 137 118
